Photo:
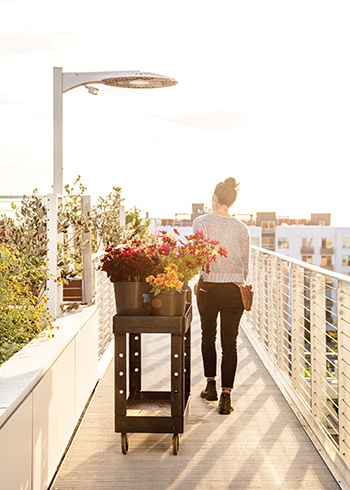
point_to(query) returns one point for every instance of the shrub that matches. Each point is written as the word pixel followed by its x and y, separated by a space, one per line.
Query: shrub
pixel 22 316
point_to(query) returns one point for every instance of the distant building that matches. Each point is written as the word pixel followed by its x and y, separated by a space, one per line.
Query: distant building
pixel 311 240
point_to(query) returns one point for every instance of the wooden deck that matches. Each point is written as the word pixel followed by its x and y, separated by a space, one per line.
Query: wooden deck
pixel 261 445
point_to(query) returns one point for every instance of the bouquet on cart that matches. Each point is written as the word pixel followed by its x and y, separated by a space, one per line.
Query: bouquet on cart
pixel 179 261
pixel 161 267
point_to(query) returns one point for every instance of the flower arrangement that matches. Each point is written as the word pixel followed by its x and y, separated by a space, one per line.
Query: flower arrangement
pixel 165 264
pixel 169 280
pixel 128 263
pixel 190 257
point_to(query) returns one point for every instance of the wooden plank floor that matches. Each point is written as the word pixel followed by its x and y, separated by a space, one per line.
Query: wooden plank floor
pixel 261 445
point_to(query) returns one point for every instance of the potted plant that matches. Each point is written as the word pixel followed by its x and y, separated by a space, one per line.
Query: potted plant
pixel 178 262
pixel 127 266
pixel 170 303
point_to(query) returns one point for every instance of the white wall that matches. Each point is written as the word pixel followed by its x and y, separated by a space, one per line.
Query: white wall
pixel 43 391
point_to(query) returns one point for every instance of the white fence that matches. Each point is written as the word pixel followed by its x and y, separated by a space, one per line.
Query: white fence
pixel 105 302
pixel 301 316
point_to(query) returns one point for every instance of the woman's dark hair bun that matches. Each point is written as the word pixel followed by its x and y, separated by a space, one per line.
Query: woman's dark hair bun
pixel 231 182
pixel 226 191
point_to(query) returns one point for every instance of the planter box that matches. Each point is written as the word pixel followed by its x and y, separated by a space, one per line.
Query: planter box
pixel 43 391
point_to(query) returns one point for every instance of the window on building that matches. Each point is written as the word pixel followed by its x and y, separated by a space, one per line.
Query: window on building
pixel 306 242
pixel 326 260
pixel 267 226
pixel 346 242
pixel 283 242
pixel 346 260
pixel 307 258
pixel 329 281
pixel 255 241
pixel 327 243
pixel 268 243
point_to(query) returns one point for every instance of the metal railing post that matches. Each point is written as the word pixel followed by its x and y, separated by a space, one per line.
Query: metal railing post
pixel 86 255
pixel 54 291
pixel 279 293
pixel 318 346
pixel 297 326
pixel 263 300
pixel 344 369
pixel 259 295
pixel 271 316
pixel 253 275
pixel 282 315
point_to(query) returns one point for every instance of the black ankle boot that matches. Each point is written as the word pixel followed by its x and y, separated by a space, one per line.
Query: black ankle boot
pixel 210 392
pixel 225 407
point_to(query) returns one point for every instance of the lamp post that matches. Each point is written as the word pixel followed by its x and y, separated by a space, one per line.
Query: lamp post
pixel 62 82
pixel 67 81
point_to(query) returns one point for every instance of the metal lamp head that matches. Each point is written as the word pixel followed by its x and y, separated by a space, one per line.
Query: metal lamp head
pixel 140 80
pixel 122 79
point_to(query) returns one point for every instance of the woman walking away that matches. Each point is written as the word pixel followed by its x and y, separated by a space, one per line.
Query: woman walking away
pixel 218 293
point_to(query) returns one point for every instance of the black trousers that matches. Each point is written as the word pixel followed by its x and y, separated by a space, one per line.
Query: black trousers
pixel 212 299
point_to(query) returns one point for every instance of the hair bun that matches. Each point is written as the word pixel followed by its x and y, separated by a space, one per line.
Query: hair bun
pixel 231 183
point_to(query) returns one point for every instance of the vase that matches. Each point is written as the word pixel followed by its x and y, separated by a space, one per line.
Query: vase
pixel 169 303
pixel 132 298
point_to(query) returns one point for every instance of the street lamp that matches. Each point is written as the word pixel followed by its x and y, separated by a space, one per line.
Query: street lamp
pixel 63 82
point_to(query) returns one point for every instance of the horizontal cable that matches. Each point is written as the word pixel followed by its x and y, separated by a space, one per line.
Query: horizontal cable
pixel 326 418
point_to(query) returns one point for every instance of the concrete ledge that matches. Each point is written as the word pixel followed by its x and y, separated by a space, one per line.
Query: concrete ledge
pixel 43 391
pixel 20 374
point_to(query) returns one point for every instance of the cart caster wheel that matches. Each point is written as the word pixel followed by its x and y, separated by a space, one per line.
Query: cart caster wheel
pixel 124 442
pixel 176 443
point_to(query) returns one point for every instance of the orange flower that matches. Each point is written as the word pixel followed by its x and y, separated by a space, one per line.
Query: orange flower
pixel 158 281
pixel 171 275
pixel 149 278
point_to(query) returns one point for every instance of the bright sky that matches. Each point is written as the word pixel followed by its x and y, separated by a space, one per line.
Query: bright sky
pixel 263 96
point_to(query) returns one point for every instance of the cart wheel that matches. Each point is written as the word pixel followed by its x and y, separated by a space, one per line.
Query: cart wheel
pixel 176 443
pixel 124 442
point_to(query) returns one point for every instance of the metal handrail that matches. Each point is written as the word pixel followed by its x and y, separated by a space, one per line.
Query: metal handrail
pixel 301 317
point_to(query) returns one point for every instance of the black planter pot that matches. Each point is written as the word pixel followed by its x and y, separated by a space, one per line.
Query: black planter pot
pixel 169 303
pixel 132 298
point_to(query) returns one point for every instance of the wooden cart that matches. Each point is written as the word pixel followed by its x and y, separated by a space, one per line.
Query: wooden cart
pixel 164 411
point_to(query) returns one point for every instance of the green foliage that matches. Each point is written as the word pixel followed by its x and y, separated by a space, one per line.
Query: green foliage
pixel 72 223
pixel 22 315
pixel 106 219
pixel 27 232
pixel 135 227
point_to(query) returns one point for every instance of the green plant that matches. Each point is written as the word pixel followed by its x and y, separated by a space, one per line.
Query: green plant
pixel 106 219
pixel 135 227
pixel 72 223
pixel 22 315
pixel 28 232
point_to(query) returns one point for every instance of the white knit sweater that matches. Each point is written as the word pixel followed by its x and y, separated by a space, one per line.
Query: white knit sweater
pixel 234 236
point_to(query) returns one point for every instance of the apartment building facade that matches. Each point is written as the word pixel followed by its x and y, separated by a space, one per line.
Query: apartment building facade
pixel 313 241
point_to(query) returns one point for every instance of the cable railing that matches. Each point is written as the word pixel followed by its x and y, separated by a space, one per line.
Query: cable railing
pixel 301 316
